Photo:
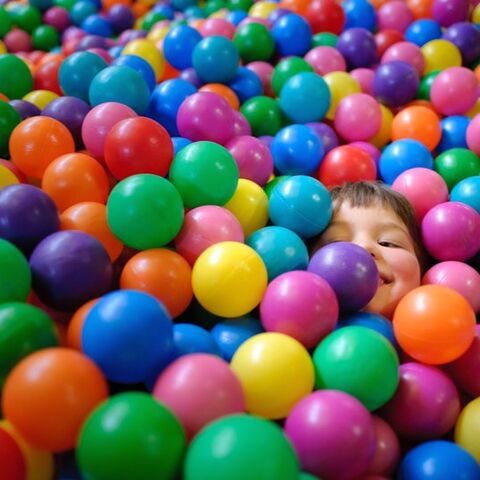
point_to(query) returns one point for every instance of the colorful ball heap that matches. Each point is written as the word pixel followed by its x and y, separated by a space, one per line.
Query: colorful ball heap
pixel 177 294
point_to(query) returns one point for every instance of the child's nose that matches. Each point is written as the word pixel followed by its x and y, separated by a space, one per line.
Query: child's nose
pixel 369 245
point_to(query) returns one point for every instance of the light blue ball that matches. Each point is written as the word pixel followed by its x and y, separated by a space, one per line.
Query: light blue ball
pixel 179 143
pixel 467 191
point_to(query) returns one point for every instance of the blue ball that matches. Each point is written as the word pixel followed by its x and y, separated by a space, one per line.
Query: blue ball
pixel 139 65
pixel 296 150
pixel 231 333
pixel 128 351
pixel 467 191
pixel 246 84
pixel 183 4
pixel 236 16
pixel 77 72
pixel 82 10
pixel 422 31
pixel 280 249
pixel 454 133
pixel 189 338
pixel 194 12
pixel 305 97
pixel 292 35
pixel 97 25
pixel 115 51
pixel 178 46
pixel 403 155
pixel 302 204
pixel 216 59
pixel 122 85
pixel 179 143
pixel 166 10
pixel 438 460
pixel 166 100
pixel 359 13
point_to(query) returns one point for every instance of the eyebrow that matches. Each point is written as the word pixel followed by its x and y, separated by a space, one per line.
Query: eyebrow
pixel 340 223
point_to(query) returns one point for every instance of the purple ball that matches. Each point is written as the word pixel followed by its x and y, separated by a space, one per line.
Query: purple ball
pixel 73 33
pixel 467 38
pixel 451 231
pixel 395 83
pixel 448 12
pixel 333 435
pixel 57 17
pixel 190 75
pixel 27 216
pixel 358 47
pixel 25 109
pixel 69 268
pixel 351 272
pixel 120 17
pixel 92 41
pixel 266 140
pixel 326 133
pixel 129 35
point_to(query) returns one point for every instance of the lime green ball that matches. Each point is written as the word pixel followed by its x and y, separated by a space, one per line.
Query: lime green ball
pixel 358 361
pixel 23 329
pixel 286 69
pixel 273 183
pixel 145 211
pixel 45 38
pixel 239 5
pixel 66 4
pixel 263 114
pixel 9 119
pixel 457 164
pixel 238 447
pixel 5 22
pixel 131 436
pixel 423 92
pixel 15 275
pixel 28 18
pixel 254 42
pixel 15 77
pixel 213 6
pixel 151 18
pixel 204 173
pixel 324 39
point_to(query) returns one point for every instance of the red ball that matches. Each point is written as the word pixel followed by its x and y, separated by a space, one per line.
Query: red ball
pixel 12 463
pixel 325 16
pixel 384 39
pixel 46 76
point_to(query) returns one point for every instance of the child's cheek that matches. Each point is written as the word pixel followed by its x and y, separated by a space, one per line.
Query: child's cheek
pixel 406 269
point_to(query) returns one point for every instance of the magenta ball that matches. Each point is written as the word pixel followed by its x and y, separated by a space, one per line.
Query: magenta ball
pixel 364 76
pixel 454 91
pixel 458 276
pixel 199 388
pixel 448 12
pixel 301 305
pixel 326 59
pixel 333 435
pixel 426 404
pixel 473 134
pixel 241 127
pixel 205 116
pixel 264 72
pixel 57 17
pixel 405 52
pixel 423 188
pixel 217 26
pixel 205 226
pixel 387 451
pixel 394 15
pixel 358 117
pixel 17 40
pixel 451 231
pixel 252 157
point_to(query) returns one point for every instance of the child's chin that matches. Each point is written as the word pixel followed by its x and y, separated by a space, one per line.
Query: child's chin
pixel 381 304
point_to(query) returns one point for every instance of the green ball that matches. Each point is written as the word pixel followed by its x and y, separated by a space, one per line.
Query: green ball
pixel 151 18
pixel 273 183
pixel 28 18
pixel 213 6
pixel 23 329
pixel 263 114
pixel 131 436
pixel 15 275
pixel 254 42
pixel 145 211
pixel 307 476
pixel 457 164
pixel 45 38
pixel 358 361
pixel 9 119
pixel 15 77
pixel 239 5
pixel 423 92
pixel 286 69
pixel 204 173
pixel 66 4
pixel 238 447
pixel 5 22
pixel 324 39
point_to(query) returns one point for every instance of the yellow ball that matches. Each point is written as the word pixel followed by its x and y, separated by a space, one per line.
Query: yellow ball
pixel 474 111
pixel 249 204
pixel 467 428
pixel 149 52
pixel 275 371
pixel 222 13
pixel 476 14
pixel 340 84
pixel 384 135
pixel 262 9
pixel 3 48
pixel 229 279
pixel 440 54
pixel 157 34
pixel 7 177
pixel 40 98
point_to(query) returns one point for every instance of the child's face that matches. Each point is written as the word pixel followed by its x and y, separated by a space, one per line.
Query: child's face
pixel 382 233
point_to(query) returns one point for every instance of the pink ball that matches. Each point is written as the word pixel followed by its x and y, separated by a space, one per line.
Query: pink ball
pixel 217 26
pixel 73 33
pixel 57 17
pixel 325 60
pixel 205 226
pixel 448 12
pixel 301 305
pixel 206 116
pixel 264 71
pixel 240 124
pixel 387 451
pixel 364 76
pixel 473 134
pixel 458 276
pixel 252 157
pixel 372 150
pixel 199 388
pixel 451 231
pixel 17 40
pixel 423 188
pixel 101 53
pixel 358 117
pixel 394 15
pixel 333 435
pixel 99 121
pixel 454 91
pixel 425 405
pixel 262 21
pixel 405 52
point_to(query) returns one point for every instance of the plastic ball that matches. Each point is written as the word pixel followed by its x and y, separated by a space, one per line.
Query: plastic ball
pixel 15 77
pixel 25 109
pixel 320 429
pixel 454 133
pixel 387 451
pixel 440 228
pixel 286 69
pixel 405 52
pixel 254 42
pixel 357 45
pixel 246 84
pixel 457 164
pixel 82 10
pixel 473 134
pixel 40 98
pixel 15 274
pixel 9 119
pixel 120 17
pixel 145 211
pixel 465 36
pixel 440 54
pixel 7 175
pixel 17 41
pixel 140 65
pixel 360 14
pixel 11 456
pixel 53 383
pixel 136 423
pixel 364 77
pixel 326 133
pixel 190 339
pixel 395 15
pixel 178 143
pixel 448 12
pixel 434 324
pixel 467 191
pixel 178 46
pixel 325 59
pixel 263 114
pixel 422 31
pixel 340 84
pixel 146 50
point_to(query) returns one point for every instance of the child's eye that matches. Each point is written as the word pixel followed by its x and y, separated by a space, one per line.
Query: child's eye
pixel 388 244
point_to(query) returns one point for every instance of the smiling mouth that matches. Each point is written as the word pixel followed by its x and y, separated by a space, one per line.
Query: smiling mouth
pixel 384 281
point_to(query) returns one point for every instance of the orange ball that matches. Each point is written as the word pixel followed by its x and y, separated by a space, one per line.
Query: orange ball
pixel 91 217
pixel 227 93
pixel 74 330
pixel 38 141
pixel 419 123
pixel 434 324
pixel 108 4
pixel 420 8
pixel 169 72
pixel 75 178
pixel 164 274
pixel 49 394
pixel 296 6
